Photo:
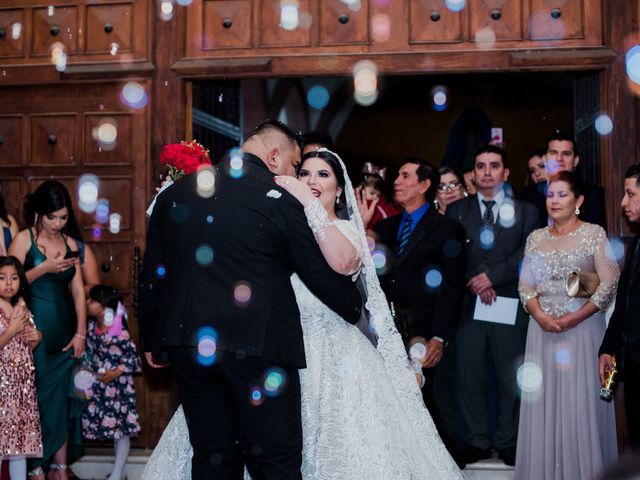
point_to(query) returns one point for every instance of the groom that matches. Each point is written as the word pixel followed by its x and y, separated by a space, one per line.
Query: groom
pixel 220 264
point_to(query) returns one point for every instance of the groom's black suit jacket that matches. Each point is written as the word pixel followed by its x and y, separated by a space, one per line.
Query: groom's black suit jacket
pixel 255 238
pixel 623 332
pixel 436 242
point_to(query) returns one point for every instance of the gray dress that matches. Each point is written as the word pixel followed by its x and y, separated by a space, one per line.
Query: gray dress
pixel 566 431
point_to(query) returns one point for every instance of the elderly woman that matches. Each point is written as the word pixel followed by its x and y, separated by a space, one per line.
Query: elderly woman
pixel 566 431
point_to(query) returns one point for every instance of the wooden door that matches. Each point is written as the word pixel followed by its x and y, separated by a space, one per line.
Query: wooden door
pixel 56 134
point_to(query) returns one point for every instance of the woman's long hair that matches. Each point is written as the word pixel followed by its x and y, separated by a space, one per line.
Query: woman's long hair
pixel 49 197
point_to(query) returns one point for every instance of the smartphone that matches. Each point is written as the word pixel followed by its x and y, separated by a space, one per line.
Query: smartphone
pixel 72 254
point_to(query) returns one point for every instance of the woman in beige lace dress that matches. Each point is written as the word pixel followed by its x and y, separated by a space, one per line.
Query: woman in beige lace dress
pixel 566 431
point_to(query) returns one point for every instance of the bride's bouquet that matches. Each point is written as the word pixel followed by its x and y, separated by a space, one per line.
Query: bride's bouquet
pixel 180 159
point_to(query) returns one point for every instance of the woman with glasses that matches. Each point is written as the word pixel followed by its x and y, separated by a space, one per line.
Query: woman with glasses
pixel 450 189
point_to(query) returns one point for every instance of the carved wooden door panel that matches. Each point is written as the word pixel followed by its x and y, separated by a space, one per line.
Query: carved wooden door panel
pixel 69 131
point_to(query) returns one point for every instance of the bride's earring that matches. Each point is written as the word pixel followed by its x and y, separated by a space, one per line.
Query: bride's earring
pixel 577 211
pixel 338 201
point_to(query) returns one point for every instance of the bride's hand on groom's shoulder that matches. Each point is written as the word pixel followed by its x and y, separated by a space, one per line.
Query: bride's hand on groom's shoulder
pixel 295 187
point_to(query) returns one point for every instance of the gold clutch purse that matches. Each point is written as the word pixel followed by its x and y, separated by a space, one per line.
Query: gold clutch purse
pixel 582 284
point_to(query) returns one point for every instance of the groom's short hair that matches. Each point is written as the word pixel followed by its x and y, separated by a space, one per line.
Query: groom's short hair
pixel 270 126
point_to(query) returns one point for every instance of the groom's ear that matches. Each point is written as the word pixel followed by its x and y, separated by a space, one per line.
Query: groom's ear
pixel 273 159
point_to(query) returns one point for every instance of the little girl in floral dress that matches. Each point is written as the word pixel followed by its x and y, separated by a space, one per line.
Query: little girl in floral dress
pixel 111 356
pixel 20 435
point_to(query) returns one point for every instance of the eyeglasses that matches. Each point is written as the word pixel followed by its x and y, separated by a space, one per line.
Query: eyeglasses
pixel 443 187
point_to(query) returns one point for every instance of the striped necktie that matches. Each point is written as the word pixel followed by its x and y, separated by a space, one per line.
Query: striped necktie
pixel 487 219
pixel 404 235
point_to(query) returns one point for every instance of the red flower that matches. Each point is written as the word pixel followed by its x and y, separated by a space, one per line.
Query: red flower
pixel 184 158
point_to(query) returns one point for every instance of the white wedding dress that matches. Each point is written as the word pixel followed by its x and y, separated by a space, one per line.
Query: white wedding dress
pixel 363 416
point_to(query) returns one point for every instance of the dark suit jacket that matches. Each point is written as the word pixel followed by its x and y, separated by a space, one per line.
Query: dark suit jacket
pixel 253 238
pixel 592 211
pixel 624 326
pixel 501 263
pixel 436 242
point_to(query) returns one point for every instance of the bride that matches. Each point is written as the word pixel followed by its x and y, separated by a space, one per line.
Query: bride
pixel 363 416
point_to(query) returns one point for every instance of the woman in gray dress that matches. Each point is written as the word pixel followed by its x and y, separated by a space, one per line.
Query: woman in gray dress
pixel 566 431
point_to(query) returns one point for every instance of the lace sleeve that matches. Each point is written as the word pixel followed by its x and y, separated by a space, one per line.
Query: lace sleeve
pixel 359 244
pixel 608 271
pixel 527 282
pixel 318 219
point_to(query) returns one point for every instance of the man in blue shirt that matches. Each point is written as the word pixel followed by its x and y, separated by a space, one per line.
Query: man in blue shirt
pixel 424 282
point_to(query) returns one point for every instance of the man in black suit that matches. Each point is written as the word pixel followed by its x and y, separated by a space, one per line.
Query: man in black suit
pixel 562 154
pixel 496 229
pixel 206 238
pixel 425 284
pixel 622 337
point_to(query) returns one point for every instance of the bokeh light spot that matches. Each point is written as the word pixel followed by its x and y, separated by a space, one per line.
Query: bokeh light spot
pixel 206 182
pixel 289 15
pixel 115 219
pixel 418 351
pixel 615 249
pixel 88 188
pixel 603 124
pixel 381 27
pixel 242 294
pixel 102 210
pixel 455 5
pixel 529 377
pixel 433 278
pixel 632 62
pixel 507 214
pixel 178 213
pixel 83 380
pixel 204 255
pixel 485 38
pixel 134 95
pixel 161 271
pixel 318 97
pixel 562 356
pixel 16 31
pixel 209 219
pixel 487 238
pixel 256 397
pixel 108 316
pixel 365 82
pixel 207 346
pixel 274 381
pixel 439 98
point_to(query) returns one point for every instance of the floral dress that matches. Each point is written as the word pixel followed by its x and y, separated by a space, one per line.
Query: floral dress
pixel 112 412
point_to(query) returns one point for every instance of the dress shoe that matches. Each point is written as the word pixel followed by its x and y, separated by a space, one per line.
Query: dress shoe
pixel 508 456
pixel 473 454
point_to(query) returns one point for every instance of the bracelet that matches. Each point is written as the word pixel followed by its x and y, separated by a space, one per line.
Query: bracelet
pixel 80 336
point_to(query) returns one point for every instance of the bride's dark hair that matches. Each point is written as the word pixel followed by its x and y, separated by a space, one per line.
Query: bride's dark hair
pixel 333 162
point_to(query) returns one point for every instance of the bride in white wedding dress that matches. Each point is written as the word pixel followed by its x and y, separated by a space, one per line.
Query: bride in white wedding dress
pixel 363 416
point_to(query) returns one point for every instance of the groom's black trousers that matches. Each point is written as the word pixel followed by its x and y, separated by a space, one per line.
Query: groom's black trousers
pixel 230 428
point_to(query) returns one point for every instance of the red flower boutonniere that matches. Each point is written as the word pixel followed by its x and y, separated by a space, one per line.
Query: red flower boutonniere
pixel 184 158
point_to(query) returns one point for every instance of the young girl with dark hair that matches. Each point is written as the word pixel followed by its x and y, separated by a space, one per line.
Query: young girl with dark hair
pixel 112 413
pixel 20 420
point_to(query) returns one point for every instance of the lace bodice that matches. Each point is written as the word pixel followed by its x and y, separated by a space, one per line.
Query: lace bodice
pixel 549 260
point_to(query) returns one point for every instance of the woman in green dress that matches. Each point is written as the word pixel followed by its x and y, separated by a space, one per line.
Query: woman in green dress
pixel 59 310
